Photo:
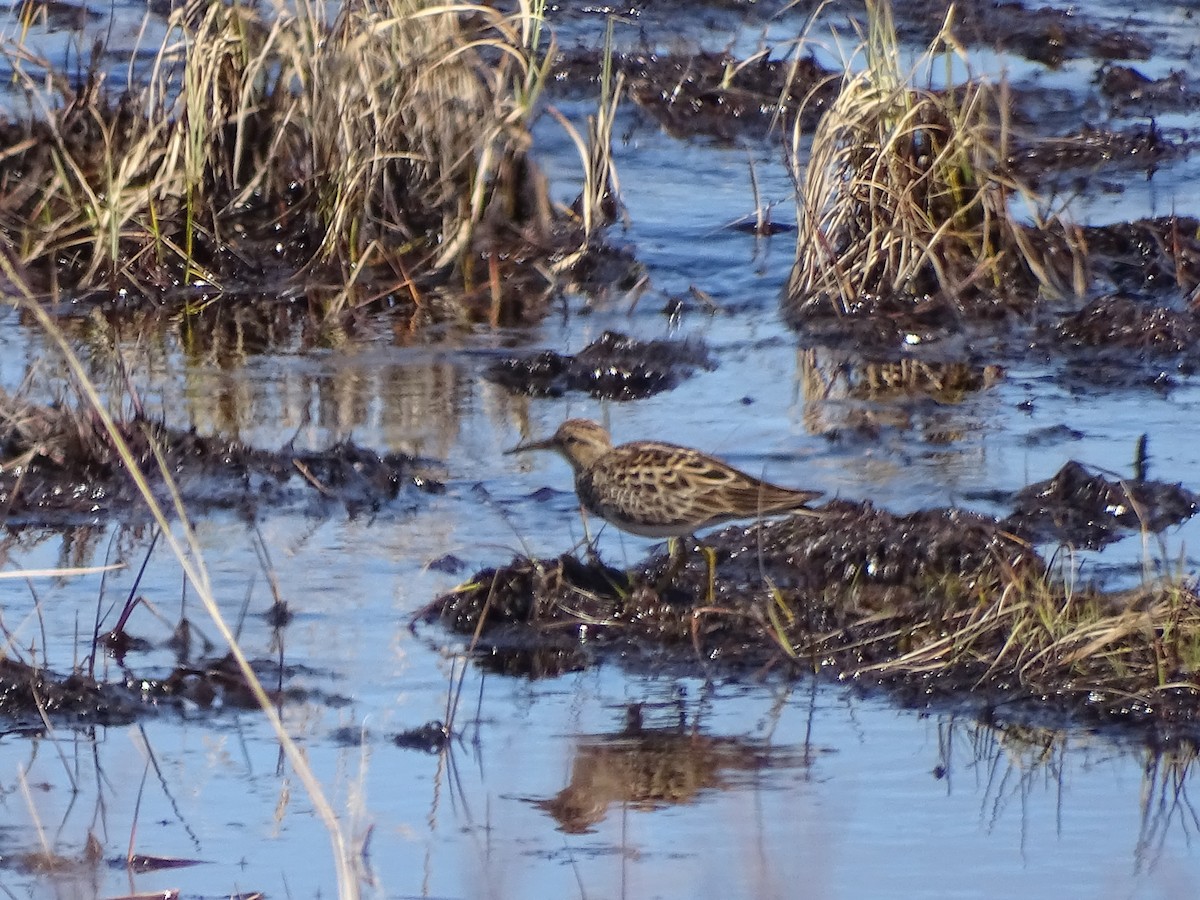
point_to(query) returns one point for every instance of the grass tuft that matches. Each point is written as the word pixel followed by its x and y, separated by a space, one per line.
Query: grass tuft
pixel 906 206
pixel 374 154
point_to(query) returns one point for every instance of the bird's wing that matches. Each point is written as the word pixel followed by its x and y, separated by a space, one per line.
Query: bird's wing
pixel 727 490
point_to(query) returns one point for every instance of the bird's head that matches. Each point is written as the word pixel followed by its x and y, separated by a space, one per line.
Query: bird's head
pixel 580 441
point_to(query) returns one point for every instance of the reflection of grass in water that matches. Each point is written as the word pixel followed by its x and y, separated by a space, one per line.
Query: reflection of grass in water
pixel 379 149
pixel 183 544
pixel 905 201
pixel 1016 760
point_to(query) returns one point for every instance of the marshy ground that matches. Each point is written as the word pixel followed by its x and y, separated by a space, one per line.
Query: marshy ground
pixel 965 309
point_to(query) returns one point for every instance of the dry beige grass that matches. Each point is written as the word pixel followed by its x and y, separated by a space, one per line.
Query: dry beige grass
pixel 385 149
pixel 905 204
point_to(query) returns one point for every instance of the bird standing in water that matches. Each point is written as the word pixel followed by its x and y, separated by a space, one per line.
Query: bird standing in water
pixel 660 490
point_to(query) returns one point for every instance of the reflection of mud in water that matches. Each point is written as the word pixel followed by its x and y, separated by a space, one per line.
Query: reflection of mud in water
pixel 650 768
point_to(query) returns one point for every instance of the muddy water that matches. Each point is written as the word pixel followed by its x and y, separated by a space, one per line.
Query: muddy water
pixel 600 783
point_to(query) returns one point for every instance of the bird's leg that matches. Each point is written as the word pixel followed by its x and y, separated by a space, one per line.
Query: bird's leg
pixel 711 556
pixel 593 557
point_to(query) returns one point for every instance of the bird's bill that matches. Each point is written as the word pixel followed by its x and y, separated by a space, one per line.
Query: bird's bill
pixel 545 444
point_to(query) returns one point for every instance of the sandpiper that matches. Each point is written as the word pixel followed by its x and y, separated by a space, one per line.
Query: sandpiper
pixel 654 489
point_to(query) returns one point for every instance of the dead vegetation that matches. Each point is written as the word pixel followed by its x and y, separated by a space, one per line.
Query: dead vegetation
pixel 906 212
pixel 379 153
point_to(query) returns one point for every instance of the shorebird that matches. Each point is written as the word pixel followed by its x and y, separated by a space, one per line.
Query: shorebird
pixel 653 489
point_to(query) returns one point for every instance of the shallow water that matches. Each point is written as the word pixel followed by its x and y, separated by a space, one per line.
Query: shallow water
pixel 752 789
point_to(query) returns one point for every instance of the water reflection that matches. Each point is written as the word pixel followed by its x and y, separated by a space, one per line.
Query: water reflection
pixel 843 390
pixel 1165 802
pixel 1013 763
pixel 647 768
pixel 208 376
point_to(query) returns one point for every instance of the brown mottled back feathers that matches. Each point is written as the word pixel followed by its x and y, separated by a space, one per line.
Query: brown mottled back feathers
pixel 660 490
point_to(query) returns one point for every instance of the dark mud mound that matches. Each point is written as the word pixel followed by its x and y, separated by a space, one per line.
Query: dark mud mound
pixel 792 574
pixel 1085 509
pixel 1129 91
pixel 29 694
pixel 1037 32
pixel 1067 162
pixel 1150 256
pixel 1150 311
pixel 60 466
pixel 614 367
pixel 939 605
pixel 26 691
pixel 1126 324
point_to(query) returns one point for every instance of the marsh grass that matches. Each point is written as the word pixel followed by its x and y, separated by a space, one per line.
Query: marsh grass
pixel 1133 652
pixel 380 151
pixel 906 207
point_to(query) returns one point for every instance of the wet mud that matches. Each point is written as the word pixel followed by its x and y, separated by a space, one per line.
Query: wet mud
pixel 1037 32
pixel 31 696
pixel 1082 508
pixel 1128 90
pixel 1098 157
pixel 1127 325
pixel 1152 256
pixel 613 367
pixel 891 557
pixel 711 95
pixel 59 466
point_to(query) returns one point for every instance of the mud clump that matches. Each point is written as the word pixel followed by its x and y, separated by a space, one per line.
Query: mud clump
pixel 613 367
pixel 432 737
pixel 817 574
pixel 1068 160
pixel 1124 323
pixel 1150 256
pixel 1128 90
pixel 1084 509
pixel 60 466
pixel 27 692
pixel 1039 33
pixel 711 94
